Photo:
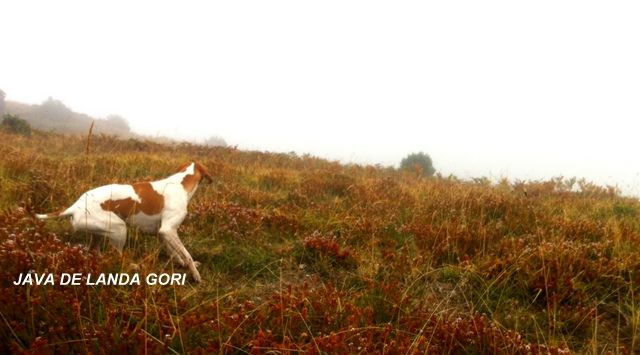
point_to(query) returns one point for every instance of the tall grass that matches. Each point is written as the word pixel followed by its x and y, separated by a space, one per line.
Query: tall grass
pixel 302 254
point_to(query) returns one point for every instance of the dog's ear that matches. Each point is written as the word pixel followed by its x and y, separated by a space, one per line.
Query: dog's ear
pixel 204 172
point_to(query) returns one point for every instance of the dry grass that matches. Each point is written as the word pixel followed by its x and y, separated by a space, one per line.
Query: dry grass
pixel 304 255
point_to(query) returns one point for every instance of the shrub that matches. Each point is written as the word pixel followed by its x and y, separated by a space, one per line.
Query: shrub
pixel 15 124
pixel 420 163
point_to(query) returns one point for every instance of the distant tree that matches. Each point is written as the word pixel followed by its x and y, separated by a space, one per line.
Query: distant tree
pixel 2 104
pixel 15 124
pixel 418 162
pixel 116 124
pixel 215 141
pixel 51 115
pixel 55 110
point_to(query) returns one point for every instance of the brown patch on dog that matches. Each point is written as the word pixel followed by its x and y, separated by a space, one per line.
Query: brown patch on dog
pixel 151 202
pixel 123 208
pixel 190 181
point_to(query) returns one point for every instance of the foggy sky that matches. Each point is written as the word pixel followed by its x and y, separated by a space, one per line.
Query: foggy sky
pixel 525 90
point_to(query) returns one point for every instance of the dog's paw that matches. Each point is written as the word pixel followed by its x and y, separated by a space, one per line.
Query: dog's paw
pixel 197 277
pixel 197 263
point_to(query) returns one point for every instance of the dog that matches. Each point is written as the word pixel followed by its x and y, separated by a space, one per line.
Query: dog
pixel 152 206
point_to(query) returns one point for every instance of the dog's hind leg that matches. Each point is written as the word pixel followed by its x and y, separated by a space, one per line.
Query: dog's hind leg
pixel 117 235
pixel 96 243
pixel 107 225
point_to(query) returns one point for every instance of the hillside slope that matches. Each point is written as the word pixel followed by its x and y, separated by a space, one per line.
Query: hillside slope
pixel 53 116
pixel 302 254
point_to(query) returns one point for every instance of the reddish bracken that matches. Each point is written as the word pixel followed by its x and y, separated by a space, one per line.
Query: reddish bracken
pixel 325 245
pixel 397 265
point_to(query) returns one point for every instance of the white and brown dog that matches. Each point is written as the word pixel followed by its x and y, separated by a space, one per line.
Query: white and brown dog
pixel 154 207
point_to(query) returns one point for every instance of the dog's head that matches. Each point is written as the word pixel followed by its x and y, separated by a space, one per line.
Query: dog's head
pixel 193 177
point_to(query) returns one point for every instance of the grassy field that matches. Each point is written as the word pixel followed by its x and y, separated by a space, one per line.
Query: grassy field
pixel 304 255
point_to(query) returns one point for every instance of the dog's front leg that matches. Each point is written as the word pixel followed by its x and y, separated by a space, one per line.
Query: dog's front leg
pixel 169 234
pixel 174 244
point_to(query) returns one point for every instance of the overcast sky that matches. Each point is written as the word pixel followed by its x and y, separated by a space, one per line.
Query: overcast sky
pixel 525 90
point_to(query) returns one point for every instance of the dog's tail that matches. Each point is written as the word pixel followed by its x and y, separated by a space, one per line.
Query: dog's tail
pixel 61 213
